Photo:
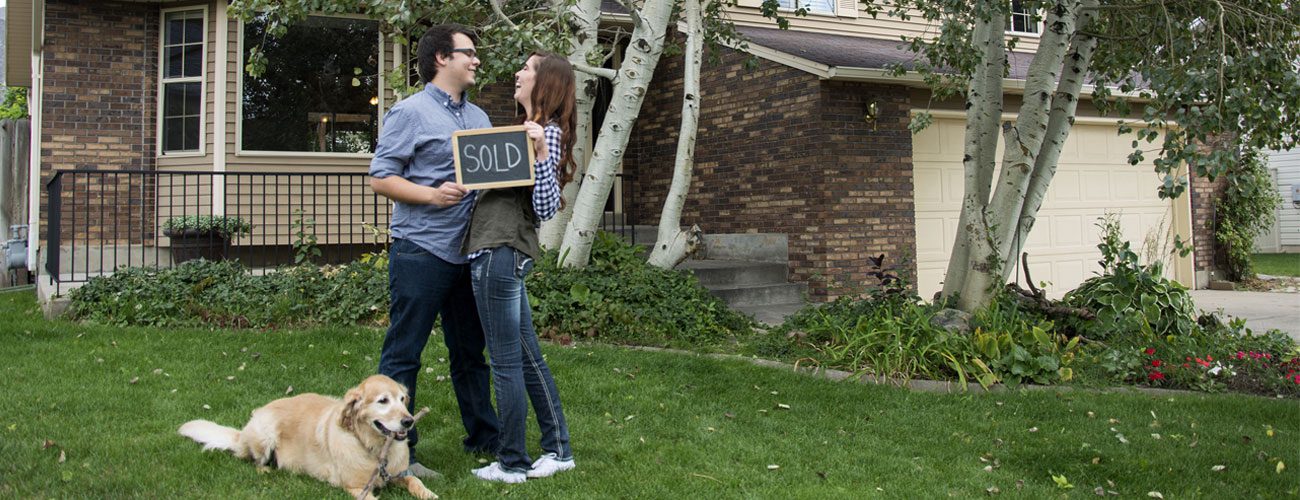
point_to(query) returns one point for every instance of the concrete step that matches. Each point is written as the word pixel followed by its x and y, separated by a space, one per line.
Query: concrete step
pixel 770 314
pixel 760 295
pixel 722 273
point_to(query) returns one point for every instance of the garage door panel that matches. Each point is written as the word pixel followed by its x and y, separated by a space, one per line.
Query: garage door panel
pixel 1093 178
pixel 928 185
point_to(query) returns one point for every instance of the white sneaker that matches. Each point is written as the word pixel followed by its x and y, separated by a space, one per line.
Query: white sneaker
pixel 494 472
pixel 548 465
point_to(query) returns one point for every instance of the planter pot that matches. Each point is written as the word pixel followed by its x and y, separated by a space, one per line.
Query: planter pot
pixel 190 245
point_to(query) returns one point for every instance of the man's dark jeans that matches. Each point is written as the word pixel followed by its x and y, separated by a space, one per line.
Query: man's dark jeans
pixel 422 286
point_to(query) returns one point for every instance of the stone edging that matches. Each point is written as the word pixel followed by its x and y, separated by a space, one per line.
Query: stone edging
pixel 932 386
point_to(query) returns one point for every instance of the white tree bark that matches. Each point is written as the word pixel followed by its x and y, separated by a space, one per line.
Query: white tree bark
pixel 1001 218
pixel 672 244
pixel 1064 104
pixel 630 88
pixel 586 20
pixel 984 103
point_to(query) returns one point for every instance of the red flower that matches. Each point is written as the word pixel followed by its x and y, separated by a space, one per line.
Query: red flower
pixel 1155 363
pixel 1156 376
pixel 1150 351
pixel 1209 358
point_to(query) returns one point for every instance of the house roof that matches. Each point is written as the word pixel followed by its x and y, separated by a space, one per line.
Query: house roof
pixel 845 57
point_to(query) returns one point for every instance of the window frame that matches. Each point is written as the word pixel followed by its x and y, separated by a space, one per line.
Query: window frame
pixel 835 9
pixel 1029 17
pixel 202 80
pixel 380 91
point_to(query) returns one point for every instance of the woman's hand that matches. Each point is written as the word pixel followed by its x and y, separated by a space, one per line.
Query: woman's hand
pixel 538 135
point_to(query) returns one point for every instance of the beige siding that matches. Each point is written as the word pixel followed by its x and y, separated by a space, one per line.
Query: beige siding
pixel 18 43
pixel 854 23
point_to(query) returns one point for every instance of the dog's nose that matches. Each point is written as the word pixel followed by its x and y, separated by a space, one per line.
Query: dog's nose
pixel 408 422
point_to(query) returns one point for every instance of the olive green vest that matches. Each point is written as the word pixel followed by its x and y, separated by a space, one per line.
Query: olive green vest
pixel 503 217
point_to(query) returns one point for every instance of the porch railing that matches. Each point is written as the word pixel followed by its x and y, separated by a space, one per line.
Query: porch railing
pixel 99 221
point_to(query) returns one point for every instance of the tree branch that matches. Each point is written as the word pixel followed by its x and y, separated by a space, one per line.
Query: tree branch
pixel 605 73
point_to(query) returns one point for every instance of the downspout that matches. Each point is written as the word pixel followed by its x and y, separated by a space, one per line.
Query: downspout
pixel 219 111
pixel 35 96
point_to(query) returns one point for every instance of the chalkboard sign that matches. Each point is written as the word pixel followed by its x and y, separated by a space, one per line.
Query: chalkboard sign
pixel 490 158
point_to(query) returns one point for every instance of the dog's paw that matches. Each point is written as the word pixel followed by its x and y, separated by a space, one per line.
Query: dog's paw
pixel 418 490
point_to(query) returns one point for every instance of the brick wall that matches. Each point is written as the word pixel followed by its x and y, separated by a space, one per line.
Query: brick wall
pixel 1206 252
pixel 99 101
pixel 779 151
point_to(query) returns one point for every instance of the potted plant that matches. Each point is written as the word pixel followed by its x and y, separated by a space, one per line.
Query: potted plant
pixel 203 236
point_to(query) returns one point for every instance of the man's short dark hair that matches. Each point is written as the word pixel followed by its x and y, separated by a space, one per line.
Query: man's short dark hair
pixel 438 40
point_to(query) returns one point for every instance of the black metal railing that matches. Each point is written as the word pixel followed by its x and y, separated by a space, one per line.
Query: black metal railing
pixel 618 216
pixel 99 221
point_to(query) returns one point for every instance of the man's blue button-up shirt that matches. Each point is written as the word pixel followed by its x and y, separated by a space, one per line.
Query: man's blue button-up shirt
pixel 415 144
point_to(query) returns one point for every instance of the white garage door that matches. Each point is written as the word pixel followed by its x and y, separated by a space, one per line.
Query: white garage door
pixel 1093 178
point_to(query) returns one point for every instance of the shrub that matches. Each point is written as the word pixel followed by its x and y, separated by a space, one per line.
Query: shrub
pixel 1247 207
pixel 202 224
pixel 224 293
pixel 1129 296
pixel 619 298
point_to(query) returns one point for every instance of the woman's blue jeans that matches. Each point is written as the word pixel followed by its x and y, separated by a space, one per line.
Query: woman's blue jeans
pixel 519 373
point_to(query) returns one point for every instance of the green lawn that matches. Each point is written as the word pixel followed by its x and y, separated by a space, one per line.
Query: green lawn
pixel 644 425
pixel 1277 264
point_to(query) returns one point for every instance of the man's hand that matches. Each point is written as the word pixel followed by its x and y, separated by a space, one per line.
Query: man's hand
pixel 448 194
pixel 398 189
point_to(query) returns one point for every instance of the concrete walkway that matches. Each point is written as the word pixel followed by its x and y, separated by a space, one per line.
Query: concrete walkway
pixel 1262 310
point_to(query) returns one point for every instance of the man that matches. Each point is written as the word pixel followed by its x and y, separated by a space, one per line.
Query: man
pixel 428 276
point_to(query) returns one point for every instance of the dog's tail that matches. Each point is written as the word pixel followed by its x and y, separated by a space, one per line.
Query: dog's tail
pixel 213 436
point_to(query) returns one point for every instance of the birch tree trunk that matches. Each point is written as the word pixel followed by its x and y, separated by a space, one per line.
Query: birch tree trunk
pixel 673 245
pixel 989 246
pixel 1064 104
pixel 630 88
pixel 984 103
pixel 586 20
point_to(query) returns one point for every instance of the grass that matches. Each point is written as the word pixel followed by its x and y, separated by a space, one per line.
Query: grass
pixel 1277 264
pixel 644 425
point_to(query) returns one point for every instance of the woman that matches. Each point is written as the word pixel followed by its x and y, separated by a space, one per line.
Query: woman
pixel 501 246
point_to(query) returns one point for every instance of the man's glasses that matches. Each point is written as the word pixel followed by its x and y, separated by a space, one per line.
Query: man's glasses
pixel 469 52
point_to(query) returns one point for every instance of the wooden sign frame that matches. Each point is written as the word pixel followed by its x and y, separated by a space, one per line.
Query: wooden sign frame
pixel 532 157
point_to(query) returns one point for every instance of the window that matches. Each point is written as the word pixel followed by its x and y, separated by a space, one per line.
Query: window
pixel 1022 19
pixel 319 91
pixel 813 6
pixel 182 81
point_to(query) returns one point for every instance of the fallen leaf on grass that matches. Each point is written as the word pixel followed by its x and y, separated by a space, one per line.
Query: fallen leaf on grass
pixel 1155 494
pixel 1061 481
pixel 1121 438
pixel 728 415
pixel 134 380
pixel 1280 466
pixel 1033 429
pixel 289 390
pixel 773 467
pixel 157 371
pixel 1218 468
pixel 783 406
pixel 1020 484
pixel 1269 430
pixel 206 407
pixel 992 490
pixel 63 457
pixel 1099 491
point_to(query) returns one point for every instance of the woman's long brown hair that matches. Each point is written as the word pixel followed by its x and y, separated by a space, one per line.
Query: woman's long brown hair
pixel 553 100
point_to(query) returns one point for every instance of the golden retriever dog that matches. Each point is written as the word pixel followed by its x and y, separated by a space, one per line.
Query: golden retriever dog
pixel 331 440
